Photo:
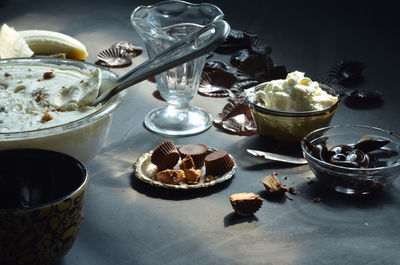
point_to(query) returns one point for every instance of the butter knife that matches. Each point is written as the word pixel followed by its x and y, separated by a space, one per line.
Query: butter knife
pixel 276 157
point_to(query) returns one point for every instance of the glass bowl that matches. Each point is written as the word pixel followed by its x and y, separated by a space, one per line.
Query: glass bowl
pixel 355 180
pixel 42 195
pixel 81 138
pixel 285 126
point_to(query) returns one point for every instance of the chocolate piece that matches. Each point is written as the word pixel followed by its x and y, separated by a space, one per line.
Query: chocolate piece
pixel 171 176
pixel 212 66
pixel 370 145
pixel 346 71
pixel 165 156
pixel 192 176
pixel 187 163
pixel 258 46
pixel 246 204
pixel 272 184
pixel 114 57
pixel 197 151
pixel 218 163
pixel 216 84
pixel 236 40
pixel 152 79
pixel 354 156
pixel 256 67
pixel 245 84
pixel 158 96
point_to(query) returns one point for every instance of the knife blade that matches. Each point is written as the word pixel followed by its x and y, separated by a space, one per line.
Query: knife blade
pixel 276 157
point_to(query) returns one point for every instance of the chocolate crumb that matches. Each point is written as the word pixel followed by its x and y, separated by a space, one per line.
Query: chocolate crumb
pixel 289 197
pixel 292 190
pixel 285 177
pixel 48 75
pixel 310 182
pixel 46 117
pixel 272 184
pixel 7 74
pixel 316 200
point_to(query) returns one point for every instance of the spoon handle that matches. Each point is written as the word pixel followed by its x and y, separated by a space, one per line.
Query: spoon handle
pixel 195 45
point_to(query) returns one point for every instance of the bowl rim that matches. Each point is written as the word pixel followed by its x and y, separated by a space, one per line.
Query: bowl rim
pixel 264 110
pixel 134 14
pixel 104 110
pixel 327 165
pixel 60 155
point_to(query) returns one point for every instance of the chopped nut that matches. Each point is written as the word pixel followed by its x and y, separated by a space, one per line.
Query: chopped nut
pixel 289 197
pixel 316 200
pixel 46 117
pixel 48 75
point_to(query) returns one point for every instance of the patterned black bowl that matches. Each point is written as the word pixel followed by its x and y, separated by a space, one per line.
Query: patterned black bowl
pixel 41 199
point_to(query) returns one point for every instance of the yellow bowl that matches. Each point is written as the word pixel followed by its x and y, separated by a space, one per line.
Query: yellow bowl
pixel 42 194
pixel 285 126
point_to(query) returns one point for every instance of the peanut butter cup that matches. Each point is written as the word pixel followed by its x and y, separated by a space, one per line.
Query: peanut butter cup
pixel 171 176
pixel 218 163
pixel 197 151
pixel 165 156
pixel 192 176
pixel 246 203
pixel 187 163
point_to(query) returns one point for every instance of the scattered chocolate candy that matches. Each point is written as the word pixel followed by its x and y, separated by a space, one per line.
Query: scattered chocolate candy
pixel 216 84
pixel 236 117
pixel 236 40
pixel 119 55
pixel 158 96
pixel 246 203
pixel 343 72
pixel 272 184
pixel 353 156
pixel 114 57
pixel 256 66
pixel 364 99
pixel 212 66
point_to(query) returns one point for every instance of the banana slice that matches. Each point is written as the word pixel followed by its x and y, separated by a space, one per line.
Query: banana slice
pixel 50 42
pixel 12 44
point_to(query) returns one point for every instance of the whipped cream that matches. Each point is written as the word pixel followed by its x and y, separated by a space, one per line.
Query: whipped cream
pixel 41 95
pixel 295 93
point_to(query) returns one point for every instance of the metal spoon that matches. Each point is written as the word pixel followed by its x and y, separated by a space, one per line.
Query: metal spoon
pixel 276 157
pixel 195 45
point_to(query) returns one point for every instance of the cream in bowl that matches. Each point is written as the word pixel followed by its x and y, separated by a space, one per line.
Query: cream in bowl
pixel 44 104
pixel 288 109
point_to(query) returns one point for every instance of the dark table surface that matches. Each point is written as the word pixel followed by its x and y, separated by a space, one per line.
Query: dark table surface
pixel 129 222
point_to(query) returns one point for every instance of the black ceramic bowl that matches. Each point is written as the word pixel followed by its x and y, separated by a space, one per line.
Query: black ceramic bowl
pixel 41 199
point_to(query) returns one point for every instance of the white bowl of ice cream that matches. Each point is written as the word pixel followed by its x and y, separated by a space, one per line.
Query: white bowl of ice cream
pixel 288 109
pixel 43 104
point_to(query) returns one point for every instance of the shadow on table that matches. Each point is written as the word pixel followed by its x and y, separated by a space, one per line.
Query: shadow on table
pixel 170 194
pixel 320 194
pixel 234 219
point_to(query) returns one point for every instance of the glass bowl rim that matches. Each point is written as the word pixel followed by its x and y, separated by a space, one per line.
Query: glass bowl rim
pixel 103 111
pixel 148 7
pixel 329 166
pixel 60 155
pixel 264 110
